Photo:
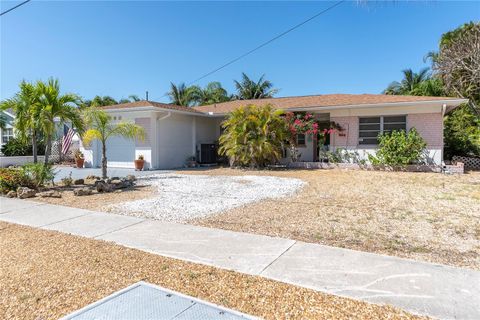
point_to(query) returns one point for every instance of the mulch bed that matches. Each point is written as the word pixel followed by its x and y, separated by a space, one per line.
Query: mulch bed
pixel 47 274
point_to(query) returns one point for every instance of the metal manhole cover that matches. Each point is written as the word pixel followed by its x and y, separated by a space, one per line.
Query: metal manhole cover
pixel 145 301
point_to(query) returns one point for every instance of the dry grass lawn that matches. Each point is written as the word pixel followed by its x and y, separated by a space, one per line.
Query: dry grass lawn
pixel 47 274
pixel 425 216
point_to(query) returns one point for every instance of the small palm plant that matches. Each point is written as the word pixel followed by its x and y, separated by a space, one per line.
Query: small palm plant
pixel 101 128
pixel 253 136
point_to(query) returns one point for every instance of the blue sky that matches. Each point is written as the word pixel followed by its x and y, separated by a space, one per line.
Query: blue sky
pixel 120 48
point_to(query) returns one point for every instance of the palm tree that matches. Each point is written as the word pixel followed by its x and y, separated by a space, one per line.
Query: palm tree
pixel 182 95
pixel 249 89
pixel 212 93
pixel 100 128
pixel 51 106
pixel 253 136
pixel 99 101
pixel 411 80
pixel 131 98
pixel 27 121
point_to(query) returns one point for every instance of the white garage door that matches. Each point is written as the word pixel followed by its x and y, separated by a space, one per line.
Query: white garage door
pixel 120 152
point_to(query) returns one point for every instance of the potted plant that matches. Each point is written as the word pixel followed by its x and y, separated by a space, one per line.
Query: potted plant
pixel 79 159
pixel 139 163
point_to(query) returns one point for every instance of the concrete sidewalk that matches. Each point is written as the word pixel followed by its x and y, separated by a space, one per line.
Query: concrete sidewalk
pixel 422 288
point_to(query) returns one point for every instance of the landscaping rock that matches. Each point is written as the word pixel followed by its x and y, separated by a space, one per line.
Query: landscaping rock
pixel 11 194
pixel 25 192
pixel 82 192
pixel 92 177
pixel 131 177
pixel 78 182
pixel 103 186
pixel 49 194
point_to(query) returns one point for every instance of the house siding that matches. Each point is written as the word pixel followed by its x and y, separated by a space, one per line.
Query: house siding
pixel 428 125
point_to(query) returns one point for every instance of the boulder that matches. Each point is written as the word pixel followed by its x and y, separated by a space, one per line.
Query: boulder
pixel 49 194
pixel 103 186
pixel 82 192
pixel 11 194
pixel 78 182
pixel 25 192
pixel 131 178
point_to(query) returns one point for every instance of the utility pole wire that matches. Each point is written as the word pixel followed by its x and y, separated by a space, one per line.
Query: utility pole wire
pixel 15 7
pixel 263 44
pixel 267 42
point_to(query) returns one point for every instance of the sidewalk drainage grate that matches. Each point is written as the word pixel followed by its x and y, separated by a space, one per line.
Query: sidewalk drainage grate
pixel 145 301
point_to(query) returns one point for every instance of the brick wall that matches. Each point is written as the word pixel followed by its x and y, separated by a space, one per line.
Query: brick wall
pixel 349 136
pixel 430 127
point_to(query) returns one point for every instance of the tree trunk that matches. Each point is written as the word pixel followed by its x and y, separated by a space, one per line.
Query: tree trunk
pixel 48 148
pixel 34 146
pixel 104 160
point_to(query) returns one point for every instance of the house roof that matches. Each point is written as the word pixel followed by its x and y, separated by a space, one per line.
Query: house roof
pixel 318 101
pixel 294 103
pixel 146 103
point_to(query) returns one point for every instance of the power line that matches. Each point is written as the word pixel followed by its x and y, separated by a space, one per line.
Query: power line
pixel 263 44
pixel 267 42
pixel 13 8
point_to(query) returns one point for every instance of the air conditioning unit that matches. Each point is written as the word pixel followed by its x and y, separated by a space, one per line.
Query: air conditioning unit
pixel 207 153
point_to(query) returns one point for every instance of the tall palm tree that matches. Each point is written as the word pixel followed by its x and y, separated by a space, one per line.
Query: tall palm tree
pixel 53 105
pixel 183 95
pixel 249 89
pixel 101 128
pixel 27 121
pixel 411 80
pixel 212 93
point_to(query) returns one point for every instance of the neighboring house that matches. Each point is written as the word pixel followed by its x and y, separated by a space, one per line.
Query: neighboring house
pixel 176 133
pixel 6 133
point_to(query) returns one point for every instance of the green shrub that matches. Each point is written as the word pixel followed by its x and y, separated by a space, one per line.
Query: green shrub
pixel 38 173
pixel 12 178
pixel 67 181
pixel 17 147
pixel 399 148
pixel 253 136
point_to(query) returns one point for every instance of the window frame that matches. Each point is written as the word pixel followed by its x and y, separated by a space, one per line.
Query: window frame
pixel 304 144
pixel 382 127
pixel 7 137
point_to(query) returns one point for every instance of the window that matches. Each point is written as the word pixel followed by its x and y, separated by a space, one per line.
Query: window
pixel 7 134
pixel 371 127
pixel 300 139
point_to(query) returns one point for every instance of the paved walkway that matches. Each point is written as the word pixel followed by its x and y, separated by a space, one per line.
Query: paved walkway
pixel 423 288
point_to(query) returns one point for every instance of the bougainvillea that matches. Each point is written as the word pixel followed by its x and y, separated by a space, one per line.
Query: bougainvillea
pixel 301 123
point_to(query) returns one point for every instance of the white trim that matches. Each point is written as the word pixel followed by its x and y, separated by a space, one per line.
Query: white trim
pixel 449 102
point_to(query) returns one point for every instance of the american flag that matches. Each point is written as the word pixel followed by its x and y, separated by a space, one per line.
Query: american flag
pixel 68 134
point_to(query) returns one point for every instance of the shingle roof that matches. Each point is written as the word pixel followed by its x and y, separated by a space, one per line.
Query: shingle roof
pixel 326 100
pixel 145 103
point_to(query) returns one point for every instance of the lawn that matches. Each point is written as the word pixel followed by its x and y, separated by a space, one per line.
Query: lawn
pixel 424 216
pixel 47 274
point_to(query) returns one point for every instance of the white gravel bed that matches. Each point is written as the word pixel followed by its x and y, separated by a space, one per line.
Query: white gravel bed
pixel 183 197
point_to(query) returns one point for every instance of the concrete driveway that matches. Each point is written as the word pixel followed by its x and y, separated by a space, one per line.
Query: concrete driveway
pixel 64 171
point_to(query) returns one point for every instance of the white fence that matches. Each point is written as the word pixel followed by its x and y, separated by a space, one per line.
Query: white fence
pixel 18 161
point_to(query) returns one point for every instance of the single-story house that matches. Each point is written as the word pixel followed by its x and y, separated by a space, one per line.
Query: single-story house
pixel 6 133
pixel 175 133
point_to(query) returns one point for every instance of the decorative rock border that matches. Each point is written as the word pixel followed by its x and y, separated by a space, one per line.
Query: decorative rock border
pixel 356 166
